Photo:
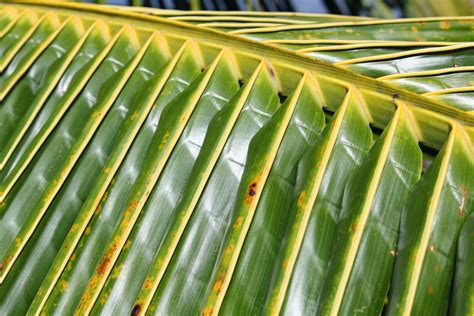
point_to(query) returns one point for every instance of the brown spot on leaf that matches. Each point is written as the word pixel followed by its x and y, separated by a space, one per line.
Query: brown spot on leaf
pixel 437 268
pixel 103 265
pixel 301 199
pixel 252 188
pixel 238 222
pixel 208 311
pixel 147 284
pixel 430 290
pixel 217 286
pixel 270 71
pixel 98 210
pixel 431 248
pixel 133 204
pixel 354 227
pixel 5 263
pixel 444 25
pixel 136 310
pixel 229 249
pixel 252 191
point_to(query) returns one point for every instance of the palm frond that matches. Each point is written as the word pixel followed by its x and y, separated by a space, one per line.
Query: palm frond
pixel 151 165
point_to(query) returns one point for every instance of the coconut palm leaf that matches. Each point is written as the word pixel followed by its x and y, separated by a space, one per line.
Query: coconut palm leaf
pixel 156 166
pixel 428 56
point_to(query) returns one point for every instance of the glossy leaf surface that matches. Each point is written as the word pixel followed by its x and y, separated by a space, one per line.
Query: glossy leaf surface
pixel 151 165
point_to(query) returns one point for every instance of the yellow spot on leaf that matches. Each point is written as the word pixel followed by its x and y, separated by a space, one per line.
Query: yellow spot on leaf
pixel 238 222
pixel 217 286
pixel 147 284
pixel 116 271
pixel 229 249
pixel 354 227
pixel 74 227
pixel 430 290
pixel 63 286
pixel 444 25
pixel 302 200
pixel 165 140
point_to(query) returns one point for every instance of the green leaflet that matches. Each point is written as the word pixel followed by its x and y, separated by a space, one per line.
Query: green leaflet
pixel 358 276
pixel 23 104
pixel 370 30
pixel 14 39
pixel 250 282
pixel 430 225
pixel 128 115
pixel 98 232
pixel 8 17
pixel 173 122
pixel 200 210
pixel 447 80
pixel 321 176
pixel 68 199
pixel 424 60
pixel 462 300
pixel 262 151
pixel 87 111
pixel 134 262
pixel 75 78
pixel 31 49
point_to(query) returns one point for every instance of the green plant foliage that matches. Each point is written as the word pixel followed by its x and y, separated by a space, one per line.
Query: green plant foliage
pixel 430 56
pixel 154 165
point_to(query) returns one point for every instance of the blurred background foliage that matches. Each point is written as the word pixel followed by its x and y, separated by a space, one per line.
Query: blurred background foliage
pixel 373 8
